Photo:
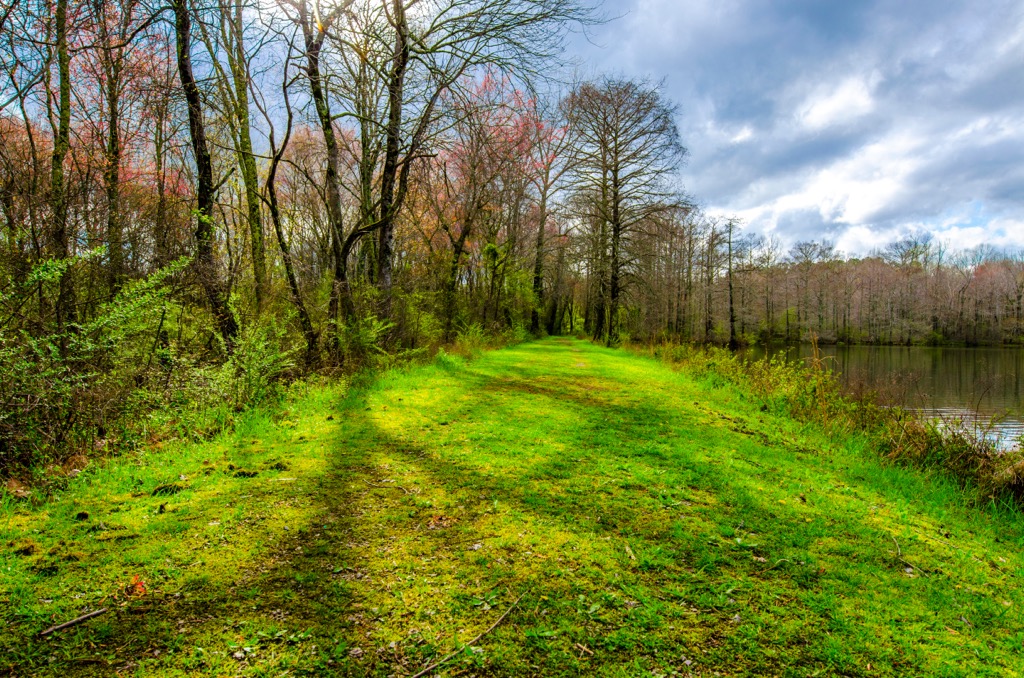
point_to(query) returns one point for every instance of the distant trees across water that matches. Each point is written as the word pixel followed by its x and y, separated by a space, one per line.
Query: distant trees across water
pixel 913 291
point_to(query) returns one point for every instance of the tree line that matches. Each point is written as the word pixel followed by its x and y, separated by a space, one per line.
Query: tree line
pixel 741 289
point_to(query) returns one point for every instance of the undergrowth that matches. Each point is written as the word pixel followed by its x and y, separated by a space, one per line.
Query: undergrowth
pixel 133 377
pixel 809 391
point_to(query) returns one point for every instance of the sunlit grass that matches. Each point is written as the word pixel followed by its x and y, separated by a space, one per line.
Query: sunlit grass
pixel 646 522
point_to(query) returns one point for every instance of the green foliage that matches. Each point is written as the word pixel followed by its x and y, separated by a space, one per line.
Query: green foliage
pixel 61 391
pixel 119 378
pixel 517 334
pixel 448 362
pixel 362 340
pixel 253 371
pixel 471 340
pixel 419 323
pixel 491 254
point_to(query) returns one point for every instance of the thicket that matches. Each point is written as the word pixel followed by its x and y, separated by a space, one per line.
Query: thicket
pixel 132 373
pixel 809 391
pixel 139 373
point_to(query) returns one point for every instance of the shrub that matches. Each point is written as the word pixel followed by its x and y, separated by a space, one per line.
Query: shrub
pixel 471 340
pixel 61 391
pixel 119 378
pixel 960 447
pixel 252 372
pixel 362 340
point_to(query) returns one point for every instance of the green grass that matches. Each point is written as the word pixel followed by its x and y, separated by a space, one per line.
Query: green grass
pixel 651 523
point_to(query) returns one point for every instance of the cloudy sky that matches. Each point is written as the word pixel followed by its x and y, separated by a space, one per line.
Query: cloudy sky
pixel 852 120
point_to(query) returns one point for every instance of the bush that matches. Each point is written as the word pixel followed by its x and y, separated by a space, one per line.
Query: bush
pixel 471 340
pixel 61 392
pixel 119 379
pixel 361 340
pixel 252 373
pixel 961 448
pixel 516 334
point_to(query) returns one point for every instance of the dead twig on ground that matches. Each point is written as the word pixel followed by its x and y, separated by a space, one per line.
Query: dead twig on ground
pixel 777 563
pixel 899 557
pixel 454 654
pixel 74 622
pixel 388 487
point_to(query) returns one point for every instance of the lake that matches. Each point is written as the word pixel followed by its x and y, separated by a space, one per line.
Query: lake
pixel 978 384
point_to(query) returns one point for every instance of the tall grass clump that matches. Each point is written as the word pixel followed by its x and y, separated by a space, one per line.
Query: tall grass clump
pixel 473 339
pixel 809 391
pixel 959 447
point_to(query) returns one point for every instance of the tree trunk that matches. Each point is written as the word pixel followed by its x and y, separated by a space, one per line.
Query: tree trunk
pixel 339 288
pixel 733 342
pixel 65 308
pixel 389 173
pixel 246 159
pixel 112 68
pixel 538 264
pixel 206 265
pixel 552 327
pixel 312 340
pixel 451 283
pixel 160 235
pixel 614 284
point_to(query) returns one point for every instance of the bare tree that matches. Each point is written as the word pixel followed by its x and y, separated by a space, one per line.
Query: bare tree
pixel 425 50
pixel 551 141
pixel 628 147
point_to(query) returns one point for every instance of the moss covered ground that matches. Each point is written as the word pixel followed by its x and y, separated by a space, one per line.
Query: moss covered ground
pixel 627 519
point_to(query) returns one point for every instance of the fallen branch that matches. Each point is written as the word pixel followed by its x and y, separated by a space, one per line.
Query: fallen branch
pixel 777 563
pixel 454 654
pixel 913 567
pixel 899 557
pixel 388 487
pixel 74 622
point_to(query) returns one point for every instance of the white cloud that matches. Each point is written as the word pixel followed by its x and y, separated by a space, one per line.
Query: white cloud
pixel 830 106
pixel 847 191
pixel 1002 233
pixel 744 134
pixel 863 240
pixel 856 121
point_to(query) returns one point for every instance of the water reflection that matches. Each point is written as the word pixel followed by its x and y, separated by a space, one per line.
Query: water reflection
pixel 978 384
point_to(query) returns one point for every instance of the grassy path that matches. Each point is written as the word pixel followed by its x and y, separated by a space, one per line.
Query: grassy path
pixel 647 523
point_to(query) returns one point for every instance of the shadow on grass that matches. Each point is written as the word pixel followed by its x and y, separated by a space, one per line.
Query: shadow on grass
pixel 758 583
pixel 665 580
pixel 623 522
pixel 218 614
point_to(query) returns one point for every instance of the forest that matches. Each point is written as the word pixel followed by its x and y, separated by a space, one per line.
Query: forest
pixel 202 198
pixel 379 338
